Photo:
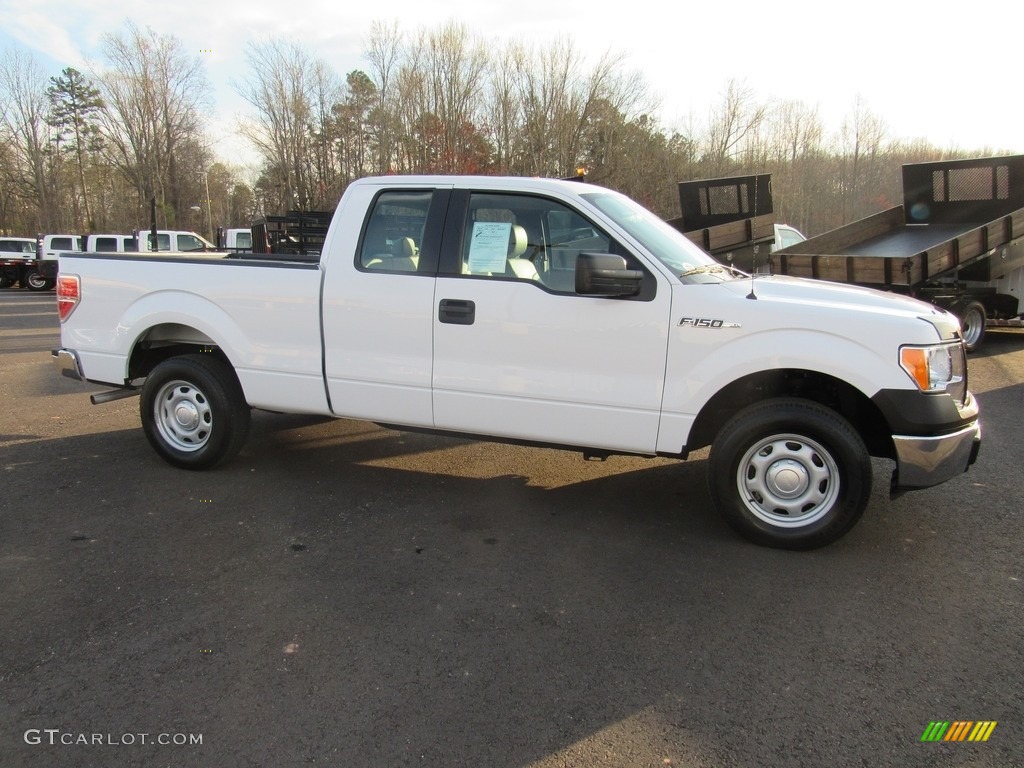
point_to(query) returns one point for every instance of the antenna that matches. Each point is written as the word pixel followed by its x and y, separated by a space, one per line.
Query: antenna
pixel 753 260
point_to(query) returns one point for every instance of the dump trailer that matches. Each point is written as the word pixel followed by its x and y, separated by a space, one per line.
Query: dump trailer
pixel 957 241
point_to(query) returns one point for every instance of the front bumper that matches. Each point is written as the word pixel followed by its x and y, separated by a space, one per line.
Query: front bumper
pixel 922 462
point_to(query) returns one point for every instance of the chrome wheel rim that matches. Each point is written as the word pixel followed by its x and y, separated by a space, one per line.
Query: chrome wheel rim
pixel 183 416
pixel 788 481
pixel 973 323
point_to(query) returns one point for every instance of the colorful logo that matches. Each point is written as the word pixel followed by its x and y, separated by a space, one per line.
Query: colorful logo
pixel 958 730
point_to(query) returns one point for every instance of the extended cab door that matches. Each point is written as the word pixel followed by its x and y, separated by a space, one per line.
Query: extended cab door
pixel 519 354
pixel 378 302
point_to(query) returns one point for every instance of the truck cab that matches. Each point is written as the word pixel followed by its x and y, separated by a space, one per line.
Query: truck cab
pixel 234 239
pixel 17 262
pixel 177 241
pixel 107 243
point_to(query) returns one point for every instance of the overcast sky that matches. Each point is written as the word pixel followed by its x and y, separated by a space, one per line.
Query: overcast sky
pixel 945 72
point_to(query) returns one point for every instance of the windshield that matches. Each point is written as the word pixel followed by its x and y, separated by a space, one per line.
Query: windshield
pixel 662 240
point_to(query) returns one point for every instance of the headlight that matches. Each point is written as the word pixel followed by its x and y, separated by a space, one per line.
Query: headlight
pixel 933 369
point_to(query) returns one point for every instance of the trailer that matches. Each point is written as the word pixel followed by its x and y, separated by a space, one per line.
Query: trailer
pixel 297 233
pixel 733 219
pixel 957 241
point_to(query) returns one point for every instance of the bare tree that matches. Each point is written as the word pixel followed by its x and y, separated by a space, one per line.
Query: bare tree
pixel 294 97
pixel 28 137
pixel 384 52
pixel 559 99
pixel 155 94
pixel 735 120
pixel 861 143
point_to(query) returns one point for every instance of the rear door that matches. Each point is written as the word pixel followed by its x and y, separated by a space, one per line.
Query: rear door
pixel 518 354
pixel 378 300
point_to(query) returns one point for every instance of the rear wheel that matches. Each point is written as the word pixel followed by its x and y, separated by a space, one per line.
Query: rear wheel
pixel 790 473
pixel 972 324
pixel 193 411
pixel 34 281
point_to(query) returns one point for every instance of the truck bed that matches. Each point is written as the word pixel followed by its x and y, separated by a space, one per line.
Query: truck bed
pixel 914 238
pixel 885 250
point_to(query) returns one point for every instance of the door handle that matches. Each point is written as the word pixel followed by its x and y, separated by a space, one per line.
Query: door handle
pixel 456 311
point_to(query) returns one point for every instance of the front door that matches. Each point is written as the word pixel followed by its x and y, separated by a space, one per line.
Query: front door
pixel 518 354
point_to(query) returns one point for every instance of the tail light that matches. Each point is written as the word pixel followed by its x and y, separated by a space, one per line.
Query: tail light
pixel 69 291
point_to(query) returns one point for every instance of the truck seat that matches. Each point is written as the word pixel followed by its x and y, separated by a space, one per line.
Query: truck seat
pixel 522 268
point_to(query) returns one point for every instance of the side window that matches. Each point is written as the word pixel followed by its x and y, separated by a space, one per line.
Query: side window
pixel 394 231
pixel 189 243
pixel 527 238
pixel 106 244
pixel 163 241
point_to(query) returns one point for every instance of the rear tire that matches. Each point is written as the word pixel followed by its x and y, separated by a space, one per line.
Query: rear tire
pixel 789 473
pixel 35 282
pixel 193 411
pixel 972 324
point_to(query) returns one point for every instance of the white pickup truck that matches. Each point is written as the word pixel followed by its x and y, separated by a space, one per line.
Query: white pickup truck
pixel 543 312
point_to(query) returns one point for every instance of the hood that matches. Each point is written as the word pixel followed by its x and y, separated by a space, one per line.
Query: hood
pixel 839 298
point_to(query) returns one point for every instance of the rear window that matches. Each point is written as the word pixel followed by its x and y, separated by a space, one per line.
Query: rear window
pixel 64 244
pixel 106 244
pixel 18 246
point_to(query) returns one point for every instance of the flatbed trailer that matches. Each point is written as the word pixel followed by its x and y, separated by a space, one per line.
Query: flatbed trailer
pixel 957 241
pixel 732 218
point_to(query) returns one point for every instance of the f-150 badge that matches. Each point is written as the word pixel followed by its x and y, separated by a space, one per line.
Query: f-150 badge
pixel 707 322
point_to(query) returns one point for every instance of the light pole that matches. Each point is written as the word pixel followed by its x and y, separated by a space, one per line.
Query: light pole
pixel 209 211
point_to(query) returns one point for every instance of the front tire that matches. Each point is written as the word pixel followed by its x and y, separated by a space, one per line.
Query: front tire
pixel 789 473
pixel 193 411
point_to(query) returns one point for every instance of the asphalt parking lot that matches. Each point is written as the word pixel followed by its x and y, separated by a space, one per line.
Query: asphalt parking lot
pixel 346 595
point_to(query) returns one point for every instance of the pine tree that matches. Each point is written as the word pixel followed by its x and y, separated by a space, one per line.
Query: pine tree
pixel 75 105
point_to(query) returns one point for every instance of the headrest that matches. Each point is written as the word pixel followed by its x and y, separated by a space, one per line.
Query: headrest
pixel 517 242
pixel 403 247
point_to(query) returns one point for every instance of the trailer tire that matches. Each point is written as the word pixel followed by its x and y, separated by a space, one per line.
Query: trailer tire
pixel 789 473
pixel 972 324
pixel 34 281
pixel 6 282
pixel 193 411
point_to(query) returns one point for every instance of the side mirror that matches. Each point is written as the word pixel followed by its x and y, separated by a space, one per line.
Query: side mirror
pixel 605 274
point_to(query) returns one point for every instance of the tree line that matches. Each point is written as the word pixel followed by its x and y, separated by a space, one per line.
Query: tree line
pixel 83 152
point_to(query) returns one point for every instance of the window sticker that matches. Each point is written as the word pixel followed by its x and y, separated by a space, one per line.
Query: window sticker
pixel 489 246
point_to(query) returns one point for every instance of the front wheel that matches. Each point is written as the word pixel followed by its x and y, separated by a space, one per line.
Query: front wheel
pixel 193 411
pixel 789 473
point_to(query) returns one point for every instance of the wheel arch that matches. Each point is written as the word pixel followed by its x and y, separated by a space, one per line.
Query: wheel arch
pixel 166 324
pixel 166 340
pixel 826 390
